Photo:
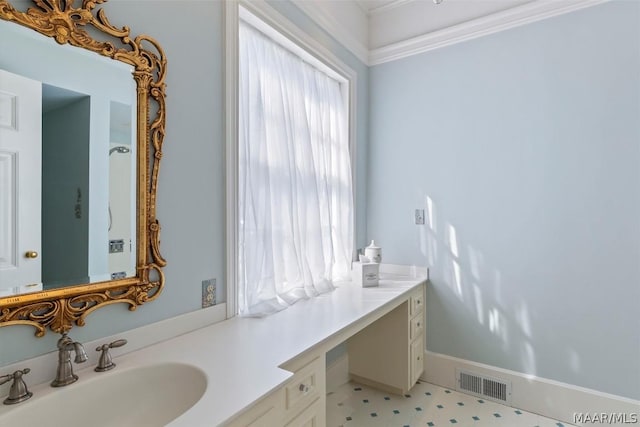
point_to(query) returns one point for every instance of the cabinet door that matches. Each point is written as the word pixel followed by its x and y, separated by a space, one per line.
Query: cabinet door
pixel 313 416
pixel 417 356
pixel 271 418
pixel 267 412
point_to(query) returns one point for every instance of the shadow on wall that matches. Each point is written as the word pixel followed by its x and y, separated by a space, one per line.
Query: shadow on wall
pixel 503 331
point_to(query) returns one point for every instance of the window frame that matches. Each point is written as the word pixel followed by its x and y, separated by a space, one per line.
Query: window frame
pixel 284 32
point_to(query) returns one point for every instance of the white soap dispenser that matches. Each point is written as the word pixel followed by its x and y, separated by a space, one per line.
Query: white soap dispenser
pixel 373 252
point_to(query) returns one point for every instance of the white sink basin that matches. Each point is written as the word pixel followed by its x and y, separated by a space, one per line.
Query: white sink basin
pixel 144 396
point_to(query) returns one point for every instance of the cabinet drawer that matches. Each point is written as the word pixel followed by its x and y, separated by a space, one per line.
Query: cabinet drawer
pixel 417 356
pixel 416 303
pixel 417 327
pixel 305 386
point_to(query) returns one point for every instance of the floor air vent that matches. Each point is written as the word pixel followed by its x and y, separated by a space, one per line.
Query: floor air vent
pixel 482 386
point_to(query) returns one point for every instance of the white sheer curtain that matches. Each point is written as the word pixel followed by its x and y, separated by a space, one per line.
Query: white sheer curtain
pixel 295 207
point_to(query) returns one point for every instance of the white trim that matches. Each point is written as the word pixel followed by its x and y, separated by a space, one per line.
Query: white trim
pixel 331 26
pixel 496 22
pixel 550 398
pixel 270 16
pixel 493 23
pixel 388 6
pixel 231 15
pixel 353 150
pixel 285 42
pixel 511 18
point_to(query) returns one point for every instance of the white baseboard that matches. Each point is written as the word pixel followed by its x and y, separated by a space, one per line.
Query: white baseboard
pixel 542 396
pixel 338 373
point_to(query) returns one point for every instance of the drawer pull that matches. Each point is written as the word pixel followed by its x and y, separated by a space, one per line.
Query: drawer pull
pixel 304 388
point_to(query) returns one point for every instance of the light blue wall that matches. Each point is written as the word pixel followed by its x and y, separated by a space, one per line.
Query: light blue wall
pixel 191 201
pixel 527 144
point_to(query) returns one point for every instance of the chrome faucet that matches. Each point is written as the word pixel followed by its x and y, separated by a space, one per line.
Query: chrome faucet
pixel 64 373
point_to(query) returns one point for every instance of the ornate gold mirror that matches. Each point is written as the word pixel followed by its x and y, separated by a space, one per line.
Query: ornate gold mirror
pixel 82 118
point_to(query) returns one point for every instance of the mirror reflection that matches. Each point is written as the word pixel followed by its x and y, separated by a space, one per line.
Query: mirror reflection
pixel 67 165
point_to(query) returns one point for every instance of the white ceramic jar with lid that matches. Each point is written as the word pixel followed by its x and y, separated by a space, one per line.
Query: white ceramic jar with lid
pixel 373 252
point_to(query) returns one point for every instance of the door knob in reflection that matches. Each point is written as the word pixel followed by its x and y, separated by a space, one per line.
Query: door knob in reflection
pixel 31 254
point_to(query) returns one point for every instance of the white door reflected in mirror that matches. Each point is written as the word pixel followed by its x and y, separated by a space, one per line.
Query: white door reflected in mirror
pixel 20 181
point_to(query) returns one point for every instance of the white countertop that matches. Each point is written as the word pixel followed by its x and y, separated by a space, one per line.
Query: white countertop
pixel 241 356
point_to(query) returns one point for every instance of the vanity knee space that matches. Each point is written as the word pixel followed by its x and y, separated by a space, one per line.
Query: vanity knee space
pixel 389 353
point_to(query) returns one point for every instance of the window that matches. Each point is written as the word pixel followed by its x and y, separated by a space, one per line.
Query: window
pixel 294 198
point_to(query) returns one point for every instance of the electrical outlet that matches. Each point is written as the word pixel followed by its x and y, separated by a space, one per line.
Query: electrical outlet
pixel 419 216
pixel 116 246
pixel 118 275
pixel 208 293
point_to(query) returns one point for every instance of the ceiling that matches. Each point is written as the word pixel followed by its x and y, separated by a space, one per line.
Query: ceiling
pixel 378 31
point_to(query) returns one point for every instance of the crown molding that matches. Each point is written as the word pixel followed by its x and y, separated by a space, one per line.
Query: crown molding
pixel 388 6
pixel 493 23
pixel 337 31
pixel 469 30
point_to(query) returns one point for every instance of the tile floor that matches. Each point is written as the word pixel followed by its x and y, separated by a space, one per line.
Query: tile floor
pixel 354 405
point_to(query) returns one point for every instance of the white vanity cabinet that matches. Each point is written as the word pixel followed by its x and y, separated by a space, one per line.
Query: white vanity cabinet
pixel 385 351
pixel 388 354
pixel 298 403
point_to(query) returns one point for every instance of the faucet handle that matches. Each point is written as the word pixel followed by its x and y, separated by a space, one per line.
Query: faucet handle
pixel 18 391
pixel 105 363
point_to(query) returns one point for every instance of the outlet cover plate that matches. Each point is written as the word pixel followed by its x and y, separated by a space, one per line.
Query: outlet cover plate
pixel 419 216
pixel 208 293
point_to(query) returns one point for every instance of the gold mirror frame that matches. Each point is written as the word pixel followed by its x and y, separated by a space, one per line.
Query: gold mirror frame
pixel 60 309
